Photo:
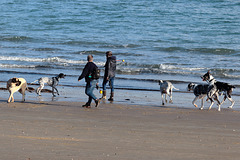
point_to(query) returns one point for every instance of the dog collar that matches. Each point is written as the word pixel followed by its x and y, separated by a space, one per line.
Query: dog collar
pixel 211 80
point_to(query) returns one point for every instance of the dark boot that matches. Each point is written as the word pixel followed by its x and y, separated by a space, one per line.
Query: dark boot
pixel 111 96
pixel 87 105
pixel 104 96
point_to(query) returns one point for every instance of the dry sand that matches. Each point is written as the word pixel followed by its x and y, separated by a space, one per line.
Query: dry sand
pixel 66 131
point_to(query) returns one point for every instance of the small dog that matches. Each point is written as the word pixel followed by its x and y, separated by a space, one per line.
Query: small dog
pixel 215 87
pixel 53 82
pixel 14 85
pixel 166 88
pixel 200 91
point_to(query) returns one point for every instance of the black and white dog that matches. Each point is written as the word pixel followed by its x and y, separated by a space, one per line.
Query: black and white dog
pixel 215 87
pixel 166 88
pixel 200 91
pixel 53 82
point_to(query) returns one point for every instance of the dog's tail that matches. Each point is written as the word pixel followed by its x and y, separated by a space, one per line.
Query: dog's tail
pixel 34 81
pixel 30 89
pixel 174 87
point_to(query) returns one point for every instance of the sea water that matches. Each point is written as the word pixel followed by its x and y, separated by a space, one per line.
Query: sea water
pixel 170 40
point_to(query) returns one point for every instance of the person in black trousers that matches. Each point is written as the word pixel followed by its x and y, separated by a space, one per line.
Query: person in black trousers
pixel 109 75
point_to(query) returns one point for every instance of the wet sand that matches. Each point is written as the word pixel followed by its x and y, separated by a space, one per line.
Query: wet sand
pixel 64 130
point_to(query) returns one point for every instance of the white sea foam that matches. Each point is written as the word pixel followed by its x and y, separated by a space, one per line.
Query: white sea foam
pixel 30 59
pixel 16 66
pixel 55 60
pixel 172 67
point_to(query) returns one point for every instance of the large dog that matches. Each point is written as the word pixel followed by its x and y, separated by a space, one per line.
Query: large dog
pixel 215 87
pixel 14 85
pixel 200 91
pixel 166 88
pixel 53 82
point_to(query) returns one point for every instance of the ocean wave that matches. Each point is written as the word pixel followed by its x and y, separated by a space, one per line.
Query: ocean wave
pixel 217 51
pixel 46 49
pixel 79 43
pixel 14 38
pixel 169 66
pixel 102 53
pixel 100 44
pixel 114 46
pixel 122 68
pixel 16 66
pixel 51 60
pixel 176 69
pixel 55 61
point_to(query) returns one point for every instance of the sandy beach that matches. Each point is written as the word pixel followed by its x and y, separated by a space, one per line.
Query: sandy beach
pixel 64 130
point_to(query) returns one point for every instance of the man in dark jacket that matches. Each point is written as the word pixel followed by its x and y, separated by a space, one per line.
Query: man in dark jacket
pixel 90 82
pixel 109 75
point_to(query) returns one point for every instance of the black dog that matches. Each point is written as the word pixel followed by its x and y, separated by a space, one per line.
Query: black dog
pixel 200 91
pixel 215 87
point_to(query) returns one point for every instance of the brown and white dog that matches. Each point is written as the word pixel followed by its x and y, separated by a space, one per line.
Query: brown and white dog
pixel 14 85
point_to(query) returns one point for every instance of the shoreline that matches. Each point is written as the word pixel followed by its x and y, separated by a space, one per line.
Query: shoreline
pixel 64 130
pixel 182 99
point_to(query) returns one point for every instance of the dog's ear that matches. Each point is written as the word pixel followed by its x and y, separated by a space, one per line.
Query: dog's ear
pixel 189 86
pixel 18 83
pixel 209 71
pixel 160 81
pixel 14 80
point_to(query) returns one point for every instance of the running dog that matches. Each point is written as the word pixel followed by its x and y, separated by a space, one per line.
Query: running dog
pixel 53 82
pixel 215 87
pixel 14 85
pixel 166 88
pixel 200 91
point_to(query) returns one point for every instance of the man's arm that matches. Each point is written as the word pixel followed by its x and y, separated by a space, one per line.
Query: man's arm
pixel 84 72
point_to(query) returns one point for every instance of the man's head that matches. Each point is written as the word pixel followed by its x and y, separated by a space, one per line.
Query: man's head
pixel 90 58
pixel 108 54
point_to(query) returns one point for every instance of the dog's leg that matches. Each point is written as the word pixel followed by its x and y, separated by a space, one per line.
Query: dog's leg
pixel 231 100
pixel 224 98
pixel 22 91
pixel 166 98
pixel 170 96
pixel 23 95
pixel 202 104
pixel 11 99
pixel 193 102
pixel 56 90
pixel 212 94
pixel 162 99
pixel 219 103
pixel 39 89
pixel 219 107
pixel 53 92
pixel 212 102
